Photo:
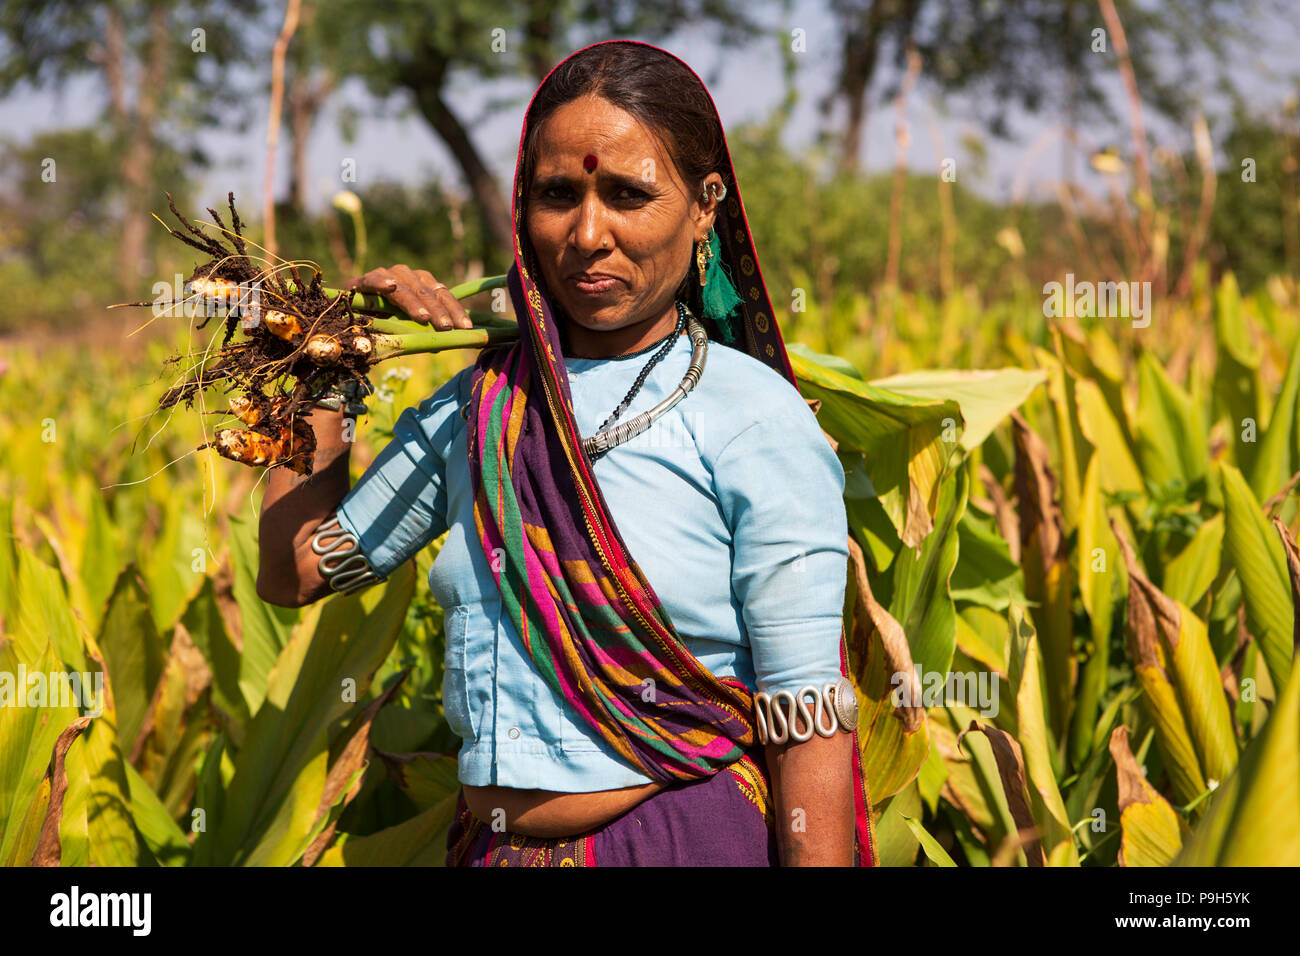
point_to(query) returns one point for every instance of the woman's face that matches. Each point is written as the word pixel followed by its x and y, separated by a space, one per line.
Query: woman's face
pixel 633 202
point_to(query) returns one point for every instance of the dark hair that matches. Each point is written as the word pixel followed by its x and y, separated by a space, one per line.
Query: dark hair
pixel 661 92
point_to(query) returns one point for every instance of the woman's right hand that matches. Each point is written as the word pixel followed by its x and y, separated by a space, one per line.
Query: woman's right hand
pixel 417 293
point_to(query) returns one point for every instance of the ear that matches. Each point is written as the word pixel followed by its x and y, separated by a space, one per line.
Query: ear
pixel 705 207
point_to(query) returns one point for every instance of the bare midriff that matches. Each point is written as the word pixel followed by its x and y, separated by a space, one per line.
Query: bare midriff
pixel 548 813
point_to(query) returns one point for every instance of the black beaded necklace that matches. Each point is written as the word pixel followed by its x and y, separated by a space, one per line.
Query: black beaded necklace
pixel 664 349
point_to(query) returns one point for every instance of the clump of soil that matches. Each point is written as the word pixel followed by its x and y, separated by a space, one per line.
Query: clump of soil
pixel 285 346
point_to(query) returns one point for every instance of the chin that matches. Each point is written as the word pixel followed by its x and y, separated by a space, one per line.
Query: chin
pixel 597 316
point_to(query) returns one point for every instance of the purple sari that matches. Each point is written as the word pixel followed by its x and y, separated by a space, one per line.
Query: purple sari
pixel 723 820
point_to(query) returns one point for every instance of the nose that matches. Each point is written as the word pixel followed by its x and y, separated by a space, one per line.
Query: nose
pixel 591 233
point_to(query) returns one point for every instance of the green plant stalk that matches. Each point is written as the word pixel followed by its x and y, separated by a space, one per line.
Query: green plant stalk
pixel 491 320
pixel 377 303
pixel 399 337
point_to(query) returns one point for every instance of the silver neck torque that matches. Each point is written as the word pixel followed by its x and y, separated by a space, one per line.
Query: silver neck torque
pixel 607 438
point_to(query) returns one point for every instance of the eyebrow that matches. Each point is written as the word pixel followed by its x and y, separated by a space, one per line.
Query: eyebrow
pixel 618 179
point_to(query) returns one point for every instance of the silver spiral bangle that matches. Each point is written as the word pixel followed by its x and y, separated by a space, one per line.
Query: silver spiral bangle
pixel 341 562
pixel 836 709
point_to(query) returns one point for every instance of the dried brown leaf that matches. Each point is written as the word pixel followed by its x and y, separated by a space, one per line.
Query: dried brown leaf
pixel 1293 565
pixel 49 852
pixel 898 654
pixel 1007 519
pixel 185 657
pixel 1011 769
pixel 351 759
pixel 1040 516
pixel 1148 608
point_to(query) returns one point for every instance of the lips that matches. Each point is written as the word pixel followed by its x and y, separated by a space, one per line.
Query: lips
pixel 594 283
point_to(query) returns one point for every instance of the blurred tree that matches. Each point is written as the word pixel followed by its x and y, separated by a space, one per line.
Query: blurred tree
pixel 1254 230
pixel 57 246
pixel 306 93
pixel 420 49
pixel 60 225
pixel 163 69
pixel 404 223
pixel 828 236
pixel 1040 56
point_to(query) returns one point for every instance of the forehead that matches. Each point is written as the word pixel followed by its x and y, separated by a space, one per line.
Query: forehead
pixel 620 141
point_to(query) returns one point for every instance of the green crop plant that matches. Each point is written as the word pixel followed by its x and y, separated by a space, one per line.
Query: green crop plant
pixel 1070 600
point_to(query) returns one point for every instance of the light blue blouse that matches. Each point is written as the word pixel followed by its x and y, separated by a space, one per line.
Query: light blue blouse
pixel 731 504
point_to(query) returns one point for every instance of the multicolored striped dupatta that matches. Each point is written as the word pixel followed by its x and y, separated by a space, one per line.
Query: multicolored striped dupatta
pixel 588 617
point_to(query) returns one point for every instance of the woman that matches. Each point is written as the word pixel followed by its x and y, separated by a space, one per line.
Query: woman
pixel 603 677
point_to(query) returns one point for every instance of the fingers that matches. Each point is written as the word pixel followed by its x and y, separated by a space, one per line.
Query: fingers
pixel 406 296
pixel 417 293
pixel 441 303
pixel 374 282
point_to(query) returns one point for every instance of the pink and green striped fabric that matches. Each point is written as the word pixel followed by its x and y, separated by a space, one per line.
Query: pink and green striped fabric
pixel 588 618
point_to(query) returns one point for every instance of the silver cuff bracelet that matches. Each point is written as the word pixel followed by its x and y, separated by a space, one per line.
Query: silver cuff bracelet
pixel 836 709
pixel 341 563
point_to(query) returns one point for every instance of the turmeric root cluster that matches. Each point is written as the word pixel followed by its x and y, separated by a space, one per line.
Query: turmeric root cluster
pixel 287 343
pixel 290 444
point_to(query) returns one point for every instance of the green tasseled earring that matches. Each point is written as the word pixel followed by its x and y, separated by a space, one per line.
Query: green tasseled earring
pixel 719 295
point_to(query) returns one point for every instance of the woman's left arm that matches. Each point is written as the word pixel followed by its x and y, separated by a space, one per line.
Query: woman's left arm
pixel 812 789
pixel 781 487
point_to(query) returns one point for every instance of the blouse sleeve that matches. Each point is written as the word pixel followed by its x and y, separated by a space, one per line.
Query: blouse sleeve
pixel 781 489
pixel 399 504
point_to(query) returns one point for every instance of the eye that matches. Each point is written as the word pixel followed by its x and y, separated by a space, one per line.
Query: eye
pixel 632 194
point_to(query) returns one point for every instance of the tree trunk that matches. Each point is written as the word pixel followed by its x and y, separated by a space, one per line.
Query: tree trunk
pixel 903 140
pixel 137 159
pixel 306 97
pixel 278 53
pixel 860 53
pixel 539 31
pixel 114 61
pixel 425 81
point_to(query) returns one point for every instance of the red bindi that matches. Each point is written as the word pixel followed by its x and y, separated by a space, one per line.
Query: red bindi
pixel 589 162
